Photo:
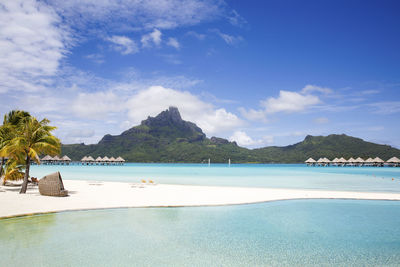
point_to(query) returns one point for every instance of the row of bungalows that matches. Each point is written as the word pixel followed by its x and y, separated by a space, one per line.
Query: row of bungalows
pixel 89 160
pixel 376 162
pixel 56 160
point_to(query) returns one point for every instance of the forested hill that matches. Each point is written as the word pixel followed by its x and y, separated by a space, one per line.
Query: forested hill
pixel 168 138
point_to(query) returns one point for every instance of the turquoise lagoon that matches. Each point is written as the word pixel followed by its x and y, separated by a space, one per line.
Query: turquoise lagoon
pixel 250 175
pixel 281 233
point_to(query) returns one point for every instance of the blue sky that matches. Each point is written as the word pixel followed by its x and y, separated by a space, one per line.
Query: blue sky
pixel 258 72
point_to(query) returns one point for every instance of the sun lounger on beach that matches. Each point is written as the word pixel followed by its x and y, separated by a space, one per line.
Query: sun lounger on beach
pixel 52 185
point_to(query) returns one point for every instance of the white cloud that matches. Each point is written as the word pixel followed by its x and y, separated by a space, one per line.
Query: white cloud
pixel 151 38
pixel 81 133
pixel 157 98
pixel 171 59
pixel 96 58
pixel 97 105
pixel 369 92
pixel 236 19
pixel 123 44
pixel 289 102
pixel 242 139
pixel 321 120
pixel 229 39
pixel 32 43
pixel 253 115
pixel 196 35
pixel 173 42
pixel 142 14
pixel 314 88
pixel 386 107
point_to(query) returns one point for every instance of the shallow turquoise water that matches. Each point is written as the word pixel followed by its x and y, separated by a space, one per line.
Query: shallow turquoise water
pixel 251 175
pixel 284 233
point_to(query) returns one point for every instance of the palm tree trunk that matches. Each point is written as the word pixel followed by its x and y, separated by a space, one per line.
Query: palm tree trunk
pixel 25 183
pixel 1 167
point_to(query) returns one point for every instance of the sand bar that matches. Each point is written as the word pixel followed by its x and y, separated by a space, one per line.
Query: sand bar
pixel 98 195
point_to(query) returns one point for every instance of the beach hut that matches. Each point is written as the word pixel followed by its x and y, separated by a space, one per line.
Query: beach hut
pixel 327 161
pixel 359 161
pixel 320 162
pixel 395 162
pixel 351 161
pixel 56 160
pixel 106 160
pixel 369 162
pixel 120 160
pixel 309 162
pixel 98 160
pixel 84 160
pixel 335 161
pixel 65 159
pixel 378 162
pixel 90 160
pixel 342 161
pixel 47 159
pixel 112 160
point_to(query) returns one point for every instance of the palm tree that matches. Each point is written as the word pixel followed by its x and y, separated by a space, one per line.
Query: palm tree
pixel 32 138
pixel 7 132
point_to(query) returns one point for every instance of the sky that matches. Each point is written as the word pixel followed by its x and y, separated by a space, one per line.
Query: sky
pixel 260 73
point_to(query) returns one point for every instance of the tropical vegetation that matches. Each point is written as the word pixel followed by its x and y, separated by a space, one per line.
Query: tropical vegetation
pixel 22 139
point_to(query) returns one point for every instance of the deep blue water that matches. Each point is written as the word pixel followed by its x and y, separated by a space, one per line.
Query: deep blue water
pixel 282 233
pixel 384 179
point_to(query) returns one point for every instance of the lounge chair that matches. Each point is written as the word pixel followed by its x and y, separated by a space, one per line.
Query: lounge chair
pixel 52 185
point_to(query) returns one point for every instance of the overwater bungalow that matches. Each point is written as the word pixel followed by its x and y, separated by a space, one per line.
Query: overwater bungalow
pixel 369 162
pixel 106 160
pixel 393 162
pixel 47 159
pixel 378 162
pixel 335 161
pixel 65 160
pixel 112 161
pixel 351 162
pixel 98 160
pixel 90 160
pixel 359 161
pixel 120 160
pixel 342 161
pixel 309 162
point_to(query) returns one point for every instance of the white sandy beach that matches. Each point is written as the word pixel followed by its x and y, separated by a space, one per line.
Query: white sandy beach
pixel 97 195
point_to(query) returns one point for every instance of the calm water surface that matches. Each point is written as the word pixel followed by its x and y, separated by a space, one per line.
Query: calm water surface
pixel 251 175
pixel 284 233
